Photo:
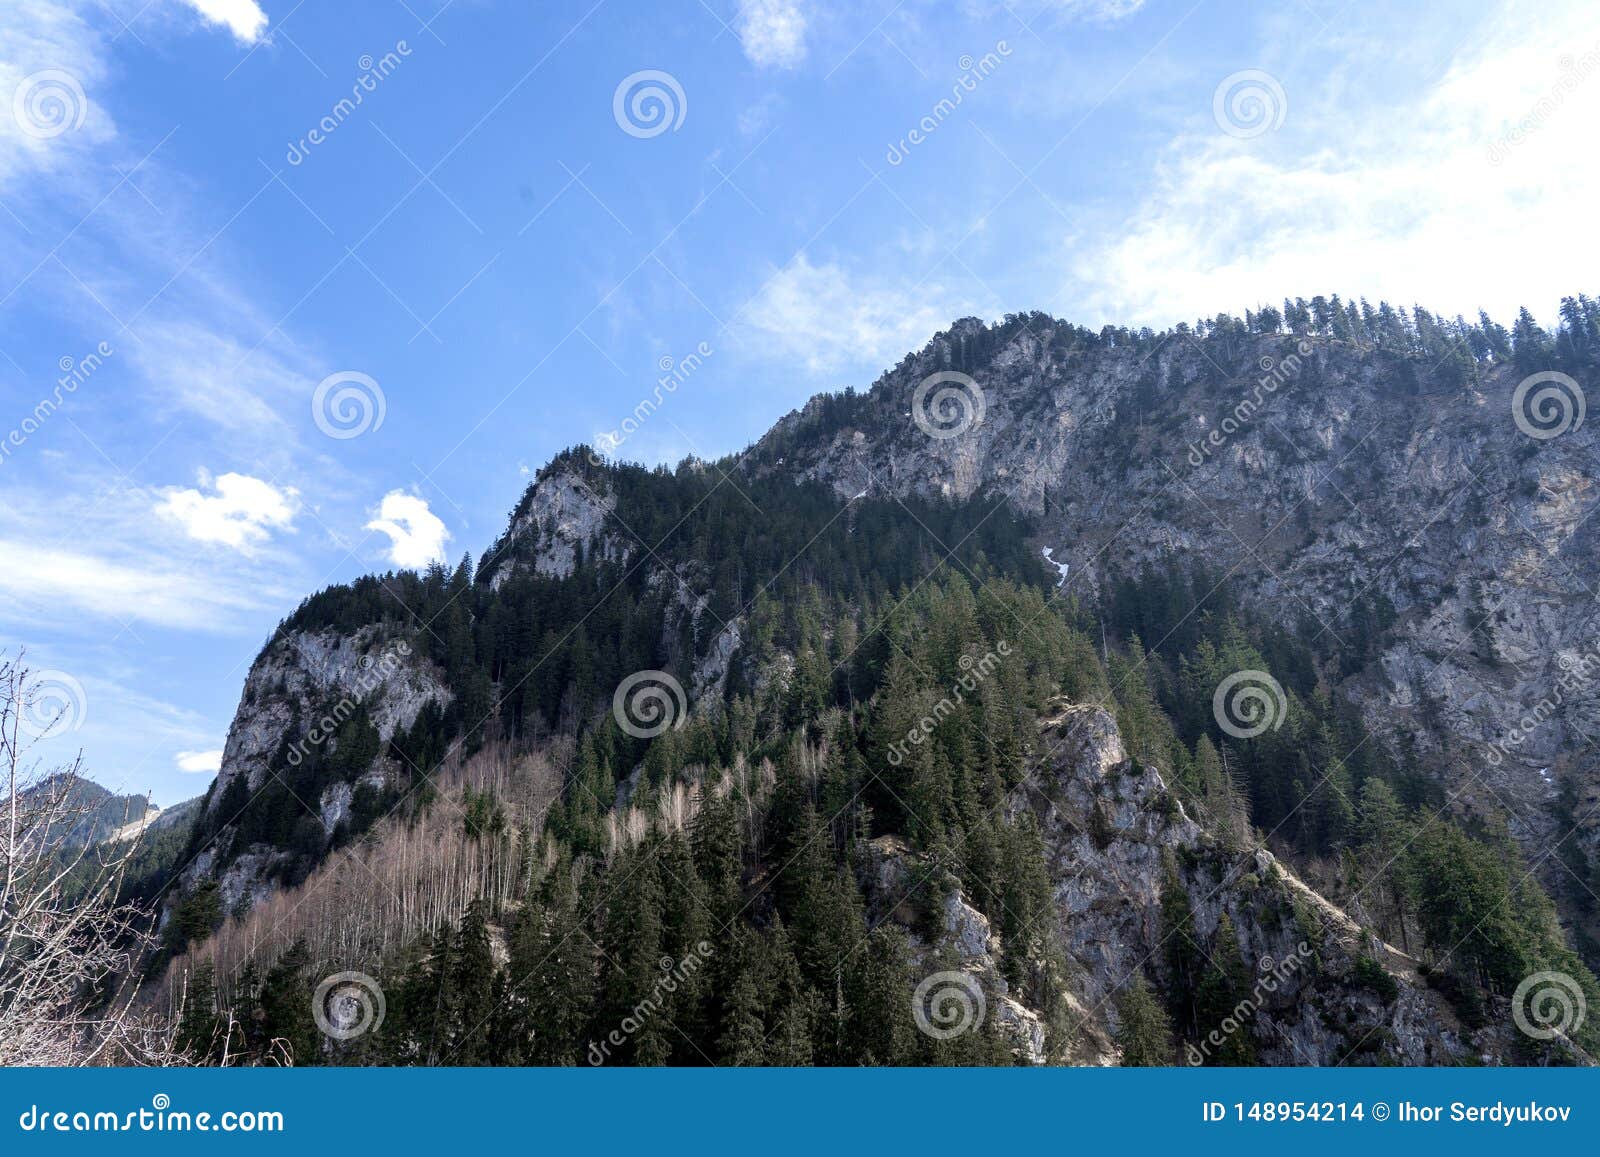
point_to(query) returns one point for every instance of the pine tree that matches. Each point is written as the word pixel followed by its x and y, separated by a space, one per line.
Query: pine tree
pixel 1145 1033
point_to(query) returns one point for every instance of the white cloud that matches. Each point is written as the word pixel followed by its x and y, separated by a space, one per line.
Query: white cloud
pixel 199 762
pixel 51 70
pixel 773 32
pixel 416 534
pixel 242 513
pixel 52 582
pixel 1097 11
pixel 243 18
pixel 1363 193
pixel 828 319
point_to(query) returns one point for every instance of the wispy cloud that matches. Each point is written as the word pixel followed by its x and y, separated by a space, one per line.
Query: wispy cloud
pixel 827 318
pixel 773 32
pixel 1361 192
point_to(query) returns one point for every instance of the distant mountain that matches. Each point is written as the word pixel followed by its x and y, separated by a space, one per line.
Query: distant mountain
pixel 1072 662
pixel 97 813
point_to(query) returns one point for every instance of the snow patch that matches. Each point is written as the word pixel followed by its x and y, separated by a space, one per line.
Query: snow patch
pixel 1061 567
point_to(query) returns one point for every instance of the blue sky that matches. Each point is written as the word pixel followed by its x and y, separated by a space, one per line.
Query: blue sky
pixel 499 251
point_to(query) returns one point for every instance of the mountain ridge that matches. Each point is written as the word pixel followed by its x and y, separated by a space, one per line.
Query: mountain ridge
pixel 1233 473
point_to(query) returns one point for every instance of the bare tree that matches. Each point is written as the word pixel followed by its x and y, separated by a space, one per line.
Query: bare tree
pixel 69 949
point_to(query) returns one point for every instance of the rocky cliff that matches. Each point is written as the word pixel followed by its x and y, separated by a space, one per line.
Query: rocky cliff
pixel 1325 477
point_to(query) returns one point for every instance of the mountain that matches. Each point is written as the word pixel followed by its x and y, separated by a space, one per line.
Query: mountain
pixel 1119 686
pixel 96 812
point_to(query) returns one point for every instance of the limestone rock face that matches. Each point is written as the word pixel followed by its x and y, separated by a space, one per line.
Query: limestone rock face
pixel 1328 479
pixel 301 687
pixel 562 515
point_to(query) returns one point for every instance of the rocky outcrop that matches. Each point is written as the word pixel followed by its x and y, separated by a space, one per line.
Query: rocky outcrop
pixel 1116 840
pixel 300 689
pixel 302 677
pixel 561 516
